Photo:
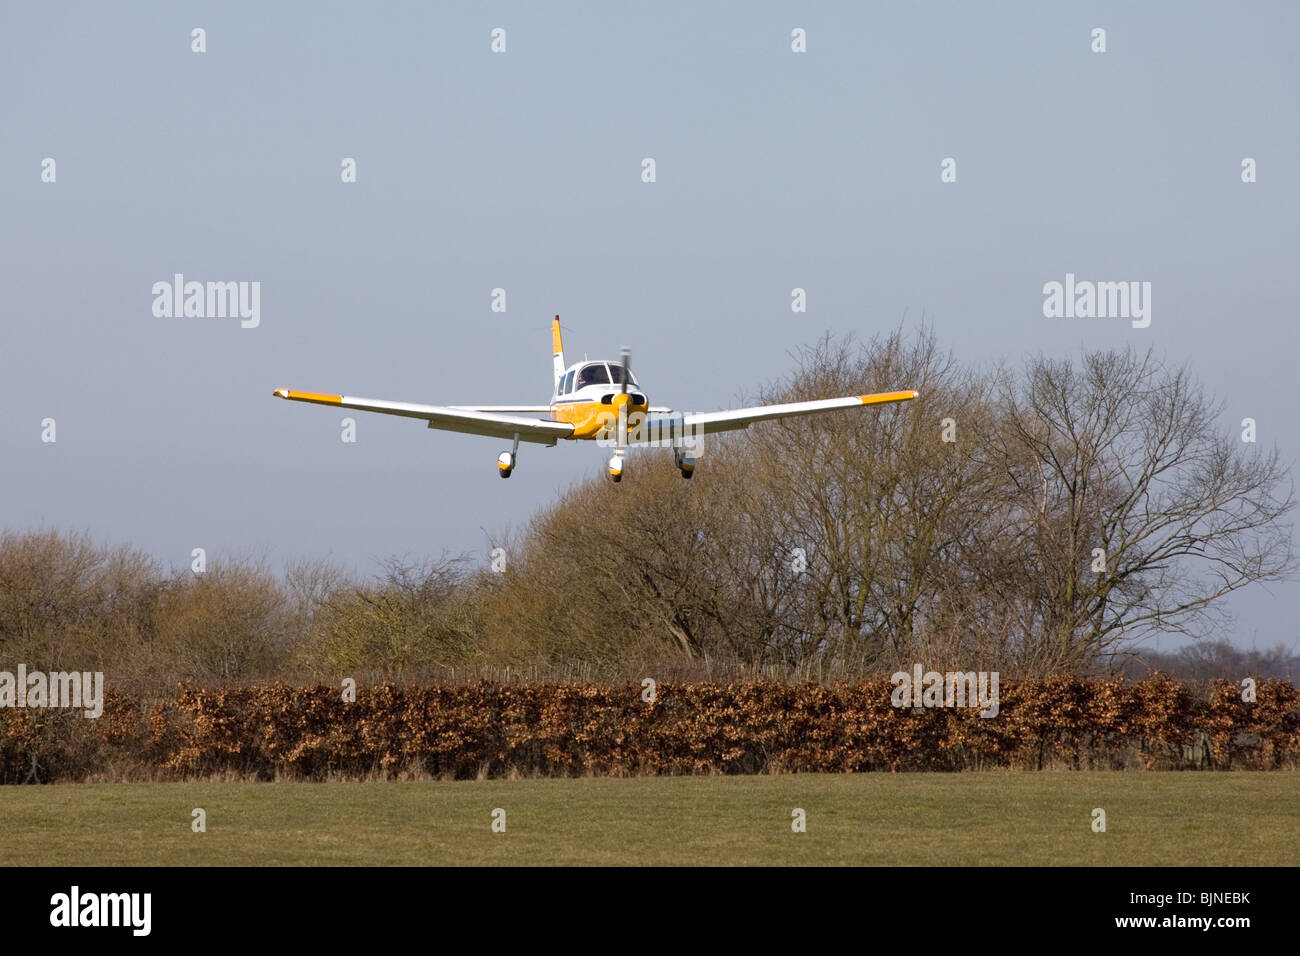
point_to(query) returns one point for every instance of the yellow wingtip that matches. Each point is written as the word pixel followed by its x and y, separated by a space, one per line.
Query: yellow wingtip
pixel 315 397
pixel 882 397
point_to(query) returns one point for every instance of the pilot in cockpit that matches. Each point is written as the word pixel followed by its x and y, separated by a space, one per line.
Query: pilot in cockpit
pixel 592 375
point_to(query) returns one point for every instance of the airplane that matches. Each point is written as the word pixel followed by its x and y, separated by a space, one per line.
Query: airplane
pixel 591 401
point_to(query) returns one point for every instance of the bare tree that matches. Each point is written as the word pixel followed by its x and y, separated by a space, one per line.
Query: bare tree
pixel 232 622
pixel 887 503
pixel 409 619
pixel 1118 464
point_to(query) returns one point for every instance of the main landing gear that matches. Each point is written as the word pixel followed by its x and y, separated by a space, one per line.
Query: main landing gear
pixel 506 460
pixel 684 462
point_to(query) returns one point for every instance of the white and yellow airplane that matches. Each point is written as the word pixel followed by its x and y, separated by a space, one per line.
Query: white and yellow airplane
pixel 591 401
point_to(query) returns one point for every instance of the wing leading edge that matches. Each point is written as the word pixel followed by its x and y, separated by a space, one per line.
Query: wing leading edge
pixel 464 419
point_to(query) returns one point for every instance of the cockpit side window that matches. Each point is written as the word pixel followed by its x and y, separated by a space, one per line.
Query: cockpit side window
pixel 593 375
pixel 568 382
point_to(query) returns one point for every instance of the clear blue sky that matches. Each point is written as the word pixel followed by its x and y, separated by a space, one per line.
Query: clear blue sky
pixel 522 171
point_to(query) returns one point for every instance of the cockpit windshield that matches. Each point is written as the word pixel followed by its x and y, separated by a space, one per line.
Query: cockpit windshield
pixel 616 371
pixel 593 374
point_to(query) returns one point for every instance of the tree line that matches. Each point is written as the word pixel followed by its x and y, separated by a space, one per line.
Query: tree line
pixel 1035 519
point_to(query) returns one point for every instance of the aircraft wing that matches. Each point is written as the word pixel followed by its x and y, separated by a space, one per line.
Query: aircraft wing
pixel 708 422
pixel 504 409
pixel 473 421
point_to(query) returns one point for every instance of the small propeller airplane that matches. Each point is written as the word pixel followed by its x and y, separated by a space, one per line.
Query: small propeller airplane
pixel 591 401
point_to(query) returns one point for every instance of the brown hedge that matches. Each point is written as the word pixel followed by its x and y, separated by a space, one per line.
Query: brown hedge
pixel 572 729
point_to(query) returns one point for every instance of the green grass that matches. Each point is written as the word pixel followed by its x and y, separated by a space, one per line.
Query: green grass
pixel 875 819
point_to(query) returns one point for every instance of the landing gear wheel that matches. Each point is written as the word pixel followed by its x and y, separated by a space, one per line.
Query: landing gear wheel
pixel 685 463
pixel 505 464
pixel 616 468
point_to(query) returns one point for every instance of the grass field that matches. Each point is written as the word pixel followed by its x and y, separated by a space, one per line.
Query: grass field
pixel 875 819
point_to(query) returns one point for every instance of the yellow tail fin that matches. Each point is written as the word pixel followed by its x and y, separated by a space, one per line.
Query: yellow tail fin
pixel 557 349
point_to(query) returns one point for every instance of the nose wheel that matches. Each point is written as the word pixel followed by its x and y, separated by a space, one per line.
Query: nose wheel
pixel 616 468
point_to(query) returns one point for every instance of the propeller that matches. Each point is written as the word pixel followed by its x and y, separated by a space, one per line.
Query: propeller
pixel 624 355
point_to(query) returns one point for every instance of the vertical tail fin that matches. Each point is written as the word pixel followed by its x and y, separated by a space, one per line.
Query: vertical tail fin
pixel 557 348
